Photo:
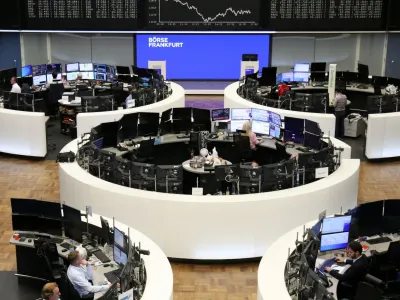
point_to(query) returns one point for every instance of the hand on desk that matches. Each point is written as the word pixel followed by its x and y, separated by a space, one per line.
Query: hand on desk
pixel 328 269
pixel 340 260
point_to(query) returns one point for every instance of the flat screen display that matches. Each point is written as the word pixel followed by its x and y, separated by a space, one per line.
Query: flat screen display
pixel 74 67
pixel 220 114
pixel 87 75
pixel 275 131
pixel 39 70
pixel 86 67
pixel 301 67
pixel 38 80
pixel 301 77
pixel 72 76
pixel 260 114
pixel 26 71
pixel 119 238
pixel 334 241
pixel 260 127
pixel 54 67
pixel 120 256
pixel 337 224
pixel 237 124
pixel 241 113
pixel 100 68
pixel 189 50
pixel 285 77
pixel 275 119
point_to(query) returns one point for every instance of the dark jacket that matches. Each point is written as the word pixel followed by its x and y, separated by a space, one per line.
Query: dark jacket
pixel 355 273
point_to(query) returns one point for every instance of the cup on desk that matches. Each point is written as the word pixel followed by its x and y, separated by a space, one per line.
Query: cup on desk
pixel 16 236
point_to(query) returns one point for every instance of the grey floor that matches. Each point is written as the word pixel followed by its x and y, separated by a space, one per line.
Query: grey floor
pixel 204 85
pixel 11 290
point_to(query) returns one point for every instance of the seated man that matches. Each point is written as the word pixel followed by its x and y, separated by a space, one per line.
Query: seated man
pixel 51 291
pixel 79 273
pixel 15 87
pixel 353 275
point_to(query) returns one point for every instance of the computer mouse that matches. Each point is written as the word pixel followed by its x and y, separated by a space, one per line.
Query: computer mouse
pixel 106 265
pixel 29 240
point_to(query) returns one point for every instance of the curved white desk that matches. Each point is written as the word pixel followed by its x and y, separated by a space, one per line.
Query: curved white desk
pixel 210 227
pixel 271 282
pixel 383 138
pixel 86 121
pixel 160 280
pixel 23 133
pixel 327 122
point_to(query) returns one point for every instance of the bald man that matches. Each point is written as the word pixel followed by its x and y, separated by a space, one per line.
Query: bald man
pixel 15 87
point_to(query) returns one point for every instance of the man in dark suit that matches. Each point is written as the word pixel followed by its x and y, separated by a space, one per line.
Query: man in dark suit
pixel 353 275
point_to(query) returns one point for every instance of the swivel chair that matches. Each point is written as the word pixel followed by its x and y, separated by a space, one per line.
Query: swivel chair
pixel 72 294
pixel 281 150
pixel 145 153
pixel 242 144
pixel 56 91
pixel 194 142
pixel 388 263
pixel 367 291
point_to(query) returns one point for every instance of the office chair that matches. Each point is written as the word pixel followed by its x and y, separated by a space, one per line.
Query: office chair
pixel 28 100
pixel 281 150
pixel 25 89
pixel 72 294
pixel 388 263
pixel 194 142
pixel 241 144
pixel 367 291
pixel 13 101
pixel 145 153
pixel 348 291
pixel 56 91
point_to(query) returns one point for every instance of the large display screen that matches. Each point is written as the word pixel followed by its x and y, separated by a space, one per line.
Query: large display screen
pixel 202 56
pixel 337 224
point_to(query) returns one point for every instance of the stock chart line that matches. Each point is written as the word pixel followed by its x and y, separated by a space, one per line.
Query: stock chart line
pixel 212 19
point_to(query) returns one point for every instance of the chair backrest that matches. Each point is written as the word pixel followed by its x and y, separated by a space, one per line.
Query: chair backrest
pixel 146 148
pixel 367 291
pixel 25 88
pixel 393 253
pixel 194 139
pixel 243 143
pixel 281 149
pixel 56 90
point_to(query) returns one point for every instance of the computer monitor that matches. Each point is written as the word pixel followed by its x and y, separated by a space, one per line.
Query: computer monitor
pixel 336 224
pixel 260 127
pixel 49 77
pixel 221 172
pixel 248 172
pixel 36 223
pixel 142 171
pixel 100 76
pixel 363 69
pixel 182 113
pixel 334 241
pixel 275 131
pixel 54 68
pixel 120 256
pixel 123 70
pixel 201 116
pixel 312 127
pixel 237 124
pixel 370 211
pixel 318 67
pixel 26 71
pixel 39 70
pixel 72 76
pixel 301 77
pixel 221 114
pixel 36 207
pixel 86 67
pixel 72 223
pixel 301 67
pixel 87 75
pixel 275 118
pixel 39 80
pixel 128 126
pixel 260 115
pixel 100 68
pixel 241 113
pixel 148 124
pixel 73 67
pixel 316 229
pixel 392 208
pixel 294 130
pixel 173 172
pixel 312 141
pixel 287 77
pixel 166 116
pixel 119 238
pixel 268 76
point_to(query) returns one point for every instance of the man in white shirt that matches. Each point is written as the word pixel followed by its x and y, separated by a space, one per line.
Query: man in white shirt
pixel 15 87
pixel 79 273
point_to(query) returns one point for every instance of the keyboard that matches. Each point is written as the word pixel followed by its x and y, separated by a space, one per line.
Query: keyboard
pixel 327 263
pixel 102 257
pixel 379 240
pixel 56 240
pixel 67 246
pixel 363 87
pixel 113 276
pixel 182 137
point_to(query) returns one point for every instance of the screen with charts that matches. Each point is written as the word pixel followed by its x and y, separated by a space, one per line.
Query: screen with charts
pixel 275 119
pixel 221 114
pixel 241 113
pixel 74 67
pixel 120 256
pixel 39 70
pixel 72 76
pixel 54 67
pixel 302 67
pixel 260 115
pixel 86 67
pixel 336 224
pixel 39 80
pixel 188 50
pixel 260 127
pixel 285 77
pixel 119 238
pixel 237 124
pixel 275 131
pixel 334 241
pixel 97 15
pixel 301 77
pixel 87 75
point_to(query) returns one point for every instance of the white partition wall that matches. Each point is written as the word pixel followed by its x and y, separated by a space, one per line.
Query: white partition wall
pixel 23 133
pixel 327 122
pixel 249 67
pixel 86 121
pixel 383 137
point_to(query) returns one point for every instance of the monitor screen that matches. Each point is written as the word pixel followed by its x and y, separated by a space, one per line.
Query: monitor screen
pixel 36 207
pixel 275 131
pixel 50 77
pixel 39 70
pixel 237 124
pixel 287 76
pixel 123 70
pixel 301 67
pixel 72 223
pixel 74 67
pixel 260 115
pixel 39 80
pixel 312 141
pixel 120 256
pixel 392 208
pixel 100 68
pixel 241 113
pixel 260 127
pixel 88 67
pixel 336 224
pixel 180 49
pixel 100 76
pixel 87 75
pixel 316 228
pixel 275 119
pixel 221 114
pixel 294 124
pixel 301 77
pixel 119 238
pixel 318 67
pixel 182 113
pixel 334 241
pixel 72 76
pixel 26 71
pixel 54 67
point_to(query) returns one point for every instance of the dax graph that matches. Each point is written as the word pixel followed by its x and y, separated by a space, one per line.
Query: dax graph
pixel 203 14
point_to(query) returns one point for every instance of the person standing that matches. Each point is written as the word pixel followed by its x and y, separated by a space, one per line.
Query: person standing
pixel 15 87
pixel 339 104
